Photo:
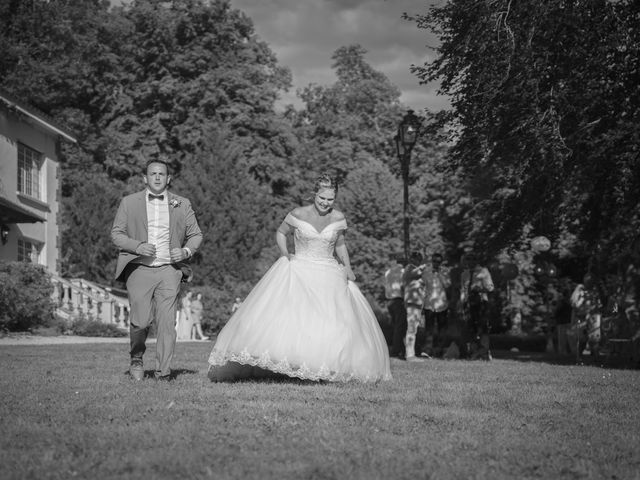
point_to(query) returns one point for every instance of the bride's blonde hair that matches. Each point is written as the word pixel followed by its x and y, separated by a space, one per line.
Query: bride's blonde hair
pixel 325 180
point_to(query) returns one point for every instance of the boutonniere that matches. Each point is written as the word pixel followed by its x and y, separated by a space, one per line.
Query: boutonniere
pixel 175 203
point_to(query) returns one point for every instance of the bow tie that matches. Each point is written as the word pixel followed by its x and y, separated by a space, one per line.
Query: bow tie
pixel 156 197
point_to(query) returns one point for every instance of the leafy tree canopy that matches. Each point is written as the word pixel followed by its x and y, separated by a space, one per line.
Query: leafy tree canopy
pixel 545 97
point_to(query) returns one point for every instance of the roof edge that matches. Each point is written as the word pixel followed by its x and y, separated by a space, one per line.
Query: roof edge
pixel 40 117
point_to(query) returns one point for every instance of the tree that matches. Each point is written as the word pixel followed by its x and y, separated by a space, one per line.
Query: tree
pixel 371 201
pixel 545 97
pixel 146 80
pixel 87 217
pixel 234 211
pixel 351 121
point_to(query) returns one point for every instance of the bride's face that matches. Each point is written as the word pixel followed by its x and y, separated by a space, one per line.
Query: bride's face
pixel 324 199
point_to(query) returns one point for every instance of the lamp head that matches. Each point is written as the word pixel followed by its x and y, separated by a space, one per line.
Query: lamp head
pixel 408 130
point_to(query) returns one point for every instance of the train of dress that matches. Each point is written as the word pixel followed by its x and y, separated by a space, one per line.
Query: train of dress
pixel 305 320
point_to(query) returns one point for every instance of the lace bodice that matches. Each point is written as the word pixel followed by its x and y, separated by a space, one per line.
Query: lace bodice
pixel 314 245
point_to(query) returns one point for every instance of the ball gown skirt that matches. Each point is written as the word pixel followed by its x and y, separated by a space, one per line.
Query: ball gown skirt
pixel 305 320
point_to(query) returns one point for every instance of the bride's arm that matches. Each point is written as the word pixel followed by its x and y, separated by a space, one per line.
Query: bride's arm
pixel 281 238
pixel 343 255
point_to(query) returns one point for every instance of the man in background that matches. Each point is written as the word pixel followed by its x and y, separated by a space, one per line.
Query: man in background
pixel 395 304
pixel 436 305
pixel 475 285
pixel 413 300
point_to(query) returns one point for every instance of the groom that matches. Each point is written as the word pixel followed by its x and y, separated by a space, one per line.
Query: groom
pixel 156 232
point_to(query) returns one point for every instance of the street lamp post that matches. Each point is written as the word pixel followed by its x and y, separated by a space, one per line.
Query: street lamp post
pixel 405 141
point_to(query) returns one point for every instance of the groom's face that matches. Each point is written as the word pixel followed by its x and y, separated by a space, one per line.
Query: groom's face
pixel 157 178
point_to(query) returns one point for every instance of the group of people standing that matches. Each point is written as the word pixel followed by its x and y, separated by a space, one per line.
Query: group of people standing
pixel 589 315
pixel 420 295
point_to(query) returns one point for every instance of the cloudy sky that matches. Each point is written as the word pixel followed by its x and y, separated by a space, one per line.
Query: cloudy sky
pixel 305 33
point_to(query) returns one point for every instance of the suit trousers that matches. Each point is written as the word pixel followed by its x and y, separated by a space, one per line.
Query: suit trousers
pixel 398 316
pixel 153 294
pixel 435 330
pixel 478 327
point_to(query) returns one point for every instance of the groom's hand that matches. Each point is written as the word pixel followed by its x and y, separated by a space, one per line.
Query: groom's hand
pixel 146 249
pixel 178 254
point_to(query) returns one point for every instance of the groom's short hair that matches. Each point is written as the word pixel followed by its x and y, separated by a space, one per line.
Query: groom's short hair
pixel 157 160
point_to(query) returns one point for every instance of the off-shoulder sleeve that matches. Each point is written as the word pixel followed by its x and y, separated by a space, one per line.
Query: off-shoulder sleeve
pixel 341 224
pixel 291 220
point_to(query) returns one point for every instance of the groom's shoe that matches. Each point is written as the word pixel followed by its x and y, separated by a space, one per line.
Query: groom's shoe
pixel 136 371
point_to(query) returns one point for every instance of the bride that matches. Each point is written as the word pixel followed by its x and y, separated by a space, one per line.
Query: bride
pixel 306 318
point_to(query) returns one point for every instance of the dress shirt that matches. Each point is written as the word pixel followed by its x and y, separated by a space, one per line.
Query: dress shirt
pixel 480 281
pixel 436 284
pixel 413 285
pixel 158 230
pixel 393 282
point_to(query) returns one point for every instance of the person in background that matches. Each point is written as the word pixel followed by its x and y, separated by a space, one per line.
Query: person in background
pixel 395 304
pixel 436 305
pixel 413 286
pixel 563 321
pixel 587 315
pixel 185 323
pixel 631 295
pixel 236 305
pixel 196 318
pixel 475 285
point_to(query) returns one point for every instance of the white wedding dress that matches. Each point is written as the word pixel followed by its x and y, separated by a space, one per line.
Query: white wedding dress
pixel 303 319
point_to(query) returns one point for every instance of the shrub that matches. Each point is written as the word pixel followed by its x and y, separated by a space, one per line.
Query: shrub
pixel 94 328
pixel 25 296
pixel 56 326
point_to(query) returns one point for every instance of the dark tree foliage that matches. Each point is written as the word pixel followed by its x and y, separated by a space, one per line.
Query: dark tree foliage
pixel 347 123
pixel 235 212
pixel 545 97
pixel 87 250
pixel 147 80
pixel 189 81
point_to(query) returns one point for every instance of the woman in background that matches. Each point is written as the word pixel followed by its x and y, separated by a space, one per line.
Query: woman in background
pixel 185 324
pixel 196 318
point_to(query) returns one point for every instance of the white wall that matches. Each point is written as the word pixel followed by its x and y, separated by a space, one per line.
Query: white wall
pixel 14 128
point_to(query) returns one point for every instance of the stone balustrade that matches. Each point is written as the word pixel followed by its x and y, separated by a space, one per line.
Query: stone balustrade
pixel 78 297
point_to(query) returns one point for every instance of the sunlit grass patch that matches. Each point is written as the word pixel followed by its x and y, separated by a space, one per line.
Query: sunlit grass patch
pixel 72 411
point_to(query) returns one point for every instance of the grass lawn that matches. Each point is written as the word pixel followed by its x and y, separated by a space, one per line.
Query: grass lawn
pixel 69 411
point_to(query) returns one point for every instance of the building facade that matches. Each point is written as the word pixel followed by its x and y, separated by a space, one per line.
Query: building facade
pixel 29 184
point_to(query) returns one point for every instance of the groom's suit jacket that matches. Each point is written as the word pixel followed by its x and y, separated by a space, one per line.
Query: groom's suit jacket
pixel 130 229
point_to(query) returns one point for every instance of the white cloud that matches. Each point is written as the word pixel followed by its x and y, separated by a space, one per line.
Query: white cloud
pixel 305 33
